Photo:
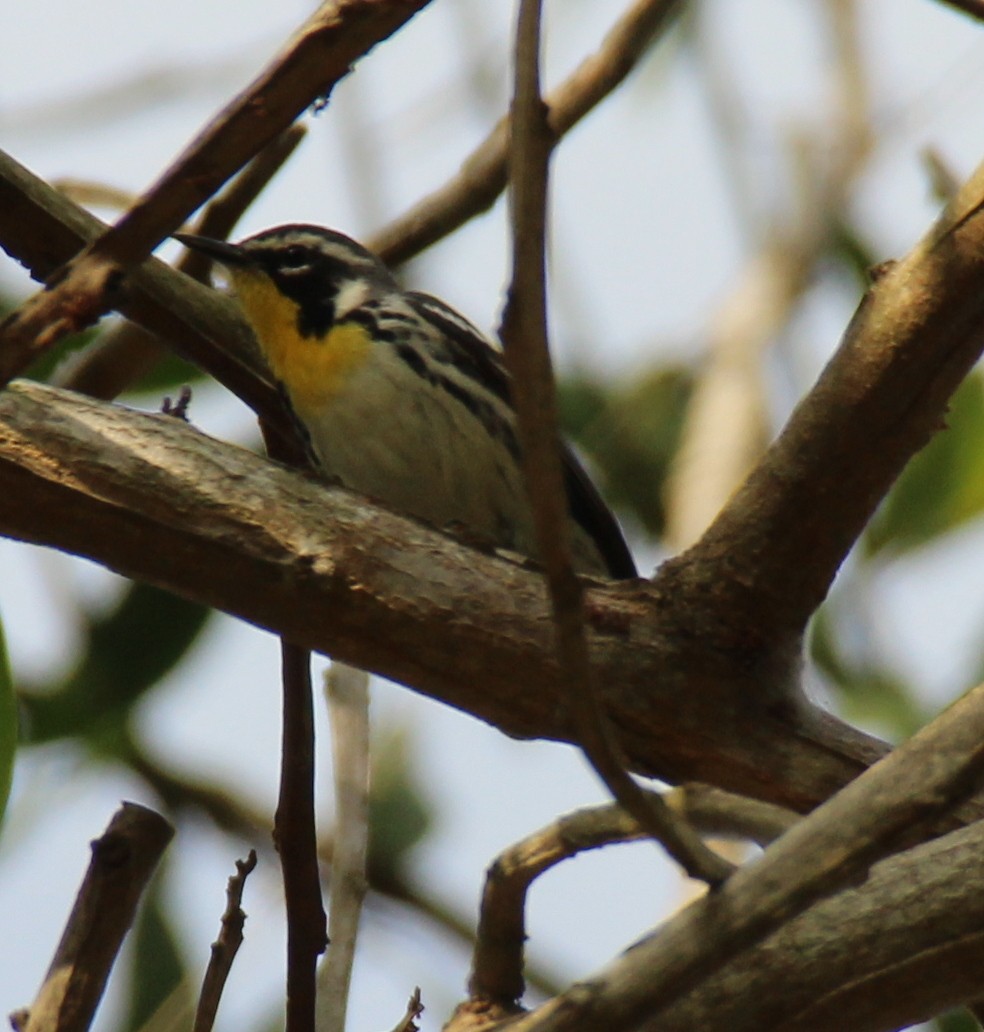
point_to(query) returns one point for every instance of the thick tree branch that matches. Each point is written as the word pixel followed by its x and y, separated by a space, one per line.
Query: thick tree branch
pixel 888 807
pixel 903 946
pixel 330 571
pixel 778 544
pixel 704 691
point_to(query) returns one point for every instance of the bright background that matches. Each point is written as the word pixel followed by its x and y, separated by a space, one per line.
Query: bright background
pixel 647 240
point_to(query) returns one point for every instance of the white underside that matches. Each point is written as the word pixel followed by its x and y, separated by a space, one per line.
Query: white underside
pixel 429 457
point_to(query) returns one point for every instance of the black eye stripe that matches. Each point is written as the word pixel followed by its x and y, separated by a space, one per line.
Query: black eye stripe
pixel 295 258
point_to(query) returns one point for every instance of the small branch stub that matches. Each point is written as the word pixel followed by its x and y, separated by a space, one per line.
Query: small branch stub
pixel 123 859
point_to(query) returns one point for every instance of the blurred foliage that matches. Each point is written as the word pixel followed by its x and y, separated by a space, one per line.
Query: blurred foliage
pixel 8 725
pixel 157 970
pixel 942 487
pixel 170 373
pixel 957 1021
pixel 125 652
pixel 940 491
pixel 851 251
pixel 869 693
pixel 400 816
pixel 43 368
pixel 630 432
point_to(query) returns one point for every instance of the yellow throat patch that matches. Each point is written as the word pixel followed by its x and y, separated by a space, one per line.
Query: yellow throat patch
pixel 313 369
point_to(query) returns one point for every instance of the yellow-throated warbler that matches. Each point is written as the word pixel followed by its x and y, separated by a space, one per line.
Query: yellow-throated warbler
pixel 401 397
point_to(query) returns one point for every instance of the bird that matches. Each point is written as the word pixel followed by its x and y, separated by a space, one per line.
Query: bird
pixel 400 397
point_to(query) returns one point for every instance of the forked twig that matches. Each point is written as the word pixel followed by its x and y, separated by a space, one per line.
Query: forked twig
pixel 225 947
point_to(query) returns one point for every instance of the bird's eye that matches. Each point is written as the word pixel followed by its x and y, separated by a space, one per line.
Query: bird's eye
pixel 295 256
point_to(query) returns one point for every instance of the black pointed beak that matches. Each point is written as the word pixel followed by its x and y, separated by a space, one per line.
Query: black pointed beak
pixel 218 250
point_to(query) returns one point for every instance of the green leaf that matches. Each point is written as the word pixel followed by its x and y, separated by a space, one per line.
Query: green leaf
pixel 631 434
pixel 399 815
pixel 156 965
pixel 126 653
pixel 50 360
pixel 8 725
pixel 868 692
pixel 942 487
pixel 957 1021
pixel 170 373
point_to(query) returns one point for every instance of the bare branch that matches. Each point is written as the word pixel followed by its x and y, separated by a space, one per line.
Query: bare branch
pixel 497 967
pixel 43 229
pixel 483 173
pixel 347 691
pixel 889 807
pixel 331 571
pixel 128 351
pixel 321 53
pixel 524 333
pixel 878 401
pixel 296 840
pixel 225 947
pixel 123 859
pixel 896 950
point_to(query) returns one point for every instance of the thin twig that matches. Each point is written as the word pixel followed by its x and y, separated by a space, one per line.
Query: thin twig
pixel 123 859
pixel 234 816
pixel 497 965
pixel 307 69
pixel 415 1008
pixel 483 173
pixel 347 690
pixel 128 351
pixel 43 229
pixel 524 333
pixel 225 947
pixel 294 834
pixel 714 811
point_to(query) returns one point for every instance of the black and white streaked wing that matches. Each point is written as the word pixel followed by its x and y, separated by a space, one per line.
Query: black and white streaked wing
pixel 477 357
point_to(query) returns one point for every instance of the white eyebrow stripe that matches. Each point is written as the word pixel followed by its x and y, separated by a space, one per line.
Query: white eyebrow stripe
pixel 350 296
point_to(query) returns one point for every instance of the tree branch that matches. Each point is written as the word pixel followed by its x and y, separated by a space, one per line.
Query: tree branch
pixel 524 334
pixel 296 840
pixel 128 351
pixel 347 695
pixel 889 807
pixel 225 947
pixel 123 859
pixel 42 229
pixel 779 542
pixel 321 53
pixel 484 172
pixel 330 571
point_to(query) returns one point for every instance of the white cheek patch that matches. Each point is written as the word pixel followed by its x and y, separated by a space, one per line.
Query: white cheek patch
pixel 349 297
